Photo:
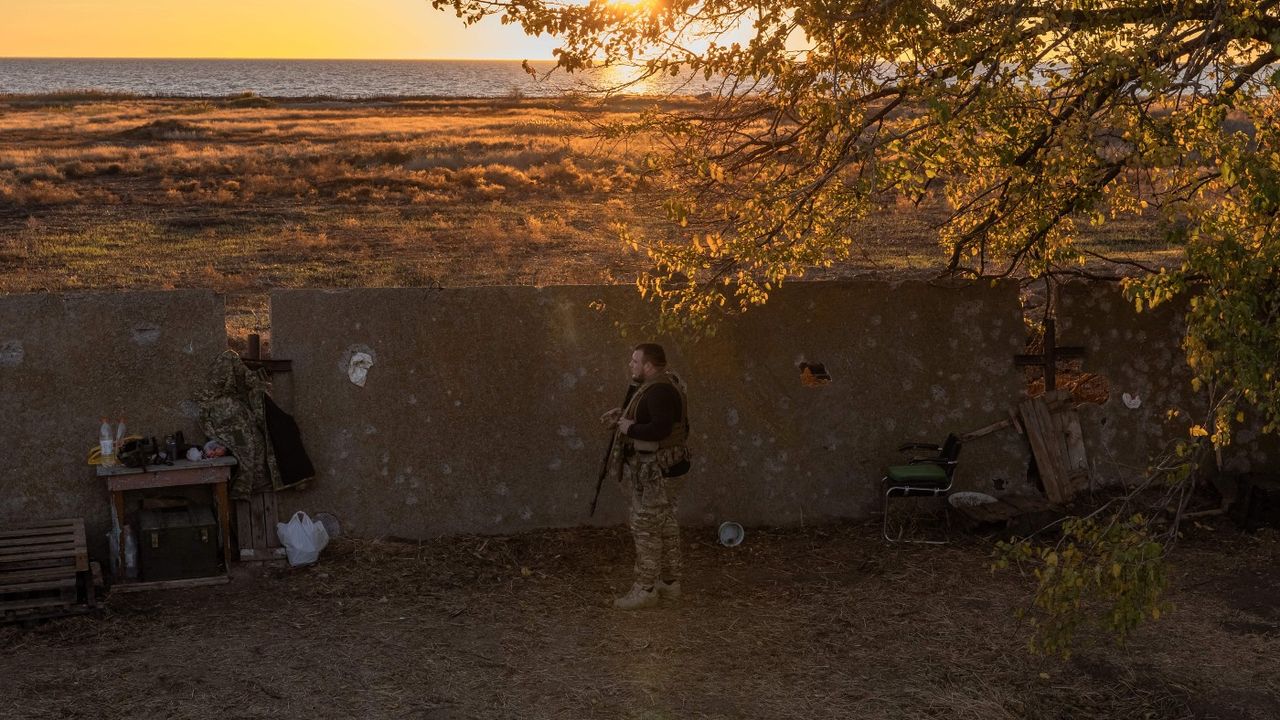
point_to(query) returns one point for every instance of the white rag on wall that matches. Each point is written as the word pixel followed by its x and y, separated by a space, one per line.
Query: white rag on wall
pixel 358 368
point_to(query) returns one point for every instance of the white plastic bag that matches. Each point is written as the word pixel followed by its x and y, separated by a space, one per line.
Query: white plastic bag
pixel 302 538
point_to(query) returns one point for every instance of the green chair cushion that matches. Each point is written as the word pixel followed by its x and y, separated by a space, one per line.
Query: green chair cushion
pixel 922 475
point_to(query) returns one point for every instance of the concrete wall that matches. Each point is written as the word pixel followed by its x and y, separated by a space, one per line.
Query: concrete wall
pixel 479 413
pixel 1141 355
pixel 67 360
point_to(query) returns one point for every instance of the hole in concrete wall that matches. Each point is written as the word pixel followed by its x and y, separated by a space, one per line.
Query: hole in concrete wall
pixel 1070 375
pixel 814 374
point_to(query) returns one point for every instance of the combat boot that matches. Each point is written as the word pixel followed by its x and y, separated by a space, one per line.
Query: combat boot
pixel 637 598
pixel 668 590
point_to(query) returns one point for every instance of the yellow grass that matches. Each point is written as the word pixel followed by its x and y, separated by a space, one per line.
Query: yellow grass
pixel 119 192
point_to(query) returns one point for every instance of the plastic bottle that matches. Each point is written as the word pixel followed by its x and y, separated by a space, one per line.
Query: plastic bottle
pixel 107 444
pixel 130 554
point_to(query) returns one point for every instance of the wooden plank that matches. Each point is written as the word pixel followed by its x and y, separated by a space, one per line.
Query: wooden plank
pixel 63 562
pixel 121 470
pixel 62 523
pixel 36 574
pixel 35 602
pixel 69 545
pixel 259 527
pixel 1045 443
pixel 170 584
pixel 7 536
pixel 1013 419
pixel 69 582
pixel 42 555
pixel 224 521
pixel 18 543
pixel 82 548
pixel 271 508
pixel 987 430
pixel 168 478
pixel 1077 458
pixel 1055 442
pixel 28 540
pixel 244 526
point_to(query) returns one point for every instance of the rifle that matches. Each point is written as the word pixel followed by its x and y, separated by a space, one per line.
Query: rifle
pixel 613 437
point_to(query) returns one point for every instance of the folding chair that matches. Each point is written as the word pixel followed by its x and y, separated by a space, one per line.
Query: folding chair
pixel 927 475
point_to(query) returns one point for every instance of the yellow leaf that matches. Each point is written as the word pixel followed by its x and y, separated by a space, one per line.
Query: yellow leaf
pixel 1115 570
pixel 1198 431
pixel 1155 613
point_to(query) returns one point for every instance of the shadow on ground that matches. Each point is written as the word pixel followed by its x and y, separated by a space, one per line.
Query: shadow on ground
pixel 821 622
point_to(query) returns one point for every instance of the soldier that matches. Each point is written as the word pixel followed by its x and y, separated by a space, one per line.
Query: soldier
pixel 648 451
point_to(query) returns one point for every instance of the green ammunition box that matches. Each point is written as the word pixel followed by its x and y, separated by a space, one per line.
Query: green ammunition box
pixel 178 543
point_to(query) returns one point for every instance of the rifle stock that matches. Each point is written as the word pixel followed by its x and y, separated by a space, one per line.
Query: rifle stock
pixel 608 451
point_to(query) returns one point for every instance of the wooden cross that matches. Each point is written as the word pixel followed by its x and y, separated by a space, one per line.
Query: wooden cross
pixel 1050 357
pixel 253 359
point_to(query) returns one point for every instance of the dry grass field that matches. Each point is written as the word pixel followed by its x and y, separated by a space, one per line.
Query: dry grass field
pixel 245 194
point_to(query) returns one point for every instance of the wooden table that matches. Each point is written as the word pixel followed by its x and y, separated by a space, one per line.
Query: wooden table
pixel 214 471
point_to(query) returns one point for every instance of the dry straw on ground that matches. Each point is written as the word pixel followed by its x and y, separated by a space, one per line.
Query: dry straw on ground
pixel 821 622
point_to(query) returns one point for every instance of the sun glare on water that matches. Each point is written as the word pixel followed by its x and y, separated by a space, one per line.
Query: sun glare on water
pixel 633 4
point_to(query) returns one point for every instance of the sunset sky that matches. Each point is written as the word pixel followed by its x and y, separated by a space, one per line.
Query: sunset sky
pixel 379 29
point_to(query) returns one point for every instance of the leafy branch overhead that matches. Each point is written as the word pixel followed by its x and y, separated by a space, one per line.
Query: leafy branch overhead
pixel 1028 120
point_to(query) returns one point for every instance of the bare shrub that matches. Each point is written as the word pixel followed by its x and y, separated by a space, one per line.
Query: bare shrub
pixel 487 231
pixel 507 176
pixel 43 172
pixel 248 100
pixel 79 169
pixel 566 175
pixel 39 192
pixel 165 129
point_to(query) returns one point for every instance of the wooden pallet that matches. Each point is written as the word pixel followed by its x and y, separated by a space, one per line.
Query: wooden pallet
pixel 1053 429
pixel 45 571
pixel 256 520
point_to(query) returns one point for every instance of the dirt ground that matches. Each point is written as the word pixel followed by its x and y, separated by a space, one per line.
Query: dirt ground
pixel 798 623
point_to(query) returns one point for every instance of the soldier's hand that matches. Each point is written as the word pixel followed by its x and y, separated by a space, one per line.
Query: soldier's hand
pixel 624 425
pixel 610 417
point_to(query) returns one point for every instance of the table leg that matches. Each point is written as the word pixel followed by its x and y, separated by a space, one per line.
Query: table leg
pixel 117 508
pixel 224 522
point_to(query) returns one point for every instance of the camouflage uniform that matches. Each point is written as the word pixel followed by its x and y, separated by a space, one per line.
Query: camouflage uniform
pixel 651 495
pixel 653 522
pixel 232 411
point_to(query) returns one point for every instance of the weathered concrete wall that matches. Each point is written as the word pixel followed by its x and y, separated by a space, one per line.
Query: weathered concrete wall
pixel 479 414
pixel 480 411
pixel 1141 355
pixel 67 360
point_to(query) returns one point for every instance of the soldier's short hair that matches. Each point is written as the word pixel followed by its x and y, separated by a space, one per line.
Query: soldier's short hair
pixel 654 353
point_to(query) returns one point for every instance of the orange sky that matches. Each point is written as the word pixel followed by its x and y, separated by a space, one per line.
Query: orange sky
pixel 381 29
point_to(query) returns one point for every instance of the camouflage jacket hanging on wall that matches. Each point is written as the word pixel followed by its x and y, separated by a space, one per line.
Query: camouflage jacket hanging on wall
pixel 233 412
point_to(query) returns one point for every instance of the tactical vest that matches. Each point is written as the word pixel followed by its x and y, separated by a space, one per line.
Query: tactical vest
pixel 672 450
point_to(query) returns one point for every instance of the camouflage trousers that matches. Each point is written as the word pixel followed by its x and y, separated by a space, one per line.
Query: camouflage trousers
pixel 653 522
